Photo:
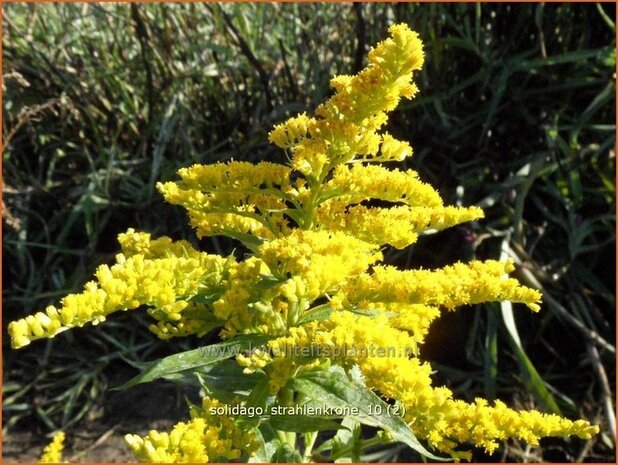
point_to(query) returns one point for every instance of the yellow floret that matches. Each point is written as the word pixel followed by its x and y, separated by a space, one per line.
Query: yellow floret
pixel 311 279
pixel 207 437
pixel 53 451
pixel 451 286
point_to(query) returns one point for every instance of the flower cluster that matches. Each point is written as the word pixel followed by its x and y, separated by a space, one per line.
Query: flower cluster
pixel 204 438
pixel 346 126
pixel 432 412
pixel 161 274
pixel 53 451
pixel 236 199
pixel 449 287
pixel 313 278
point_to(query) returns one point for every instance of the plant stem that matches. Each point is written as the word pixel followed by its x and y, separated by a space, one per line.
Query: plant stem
pixel 363 445
pixel 309 442
pixel 286 399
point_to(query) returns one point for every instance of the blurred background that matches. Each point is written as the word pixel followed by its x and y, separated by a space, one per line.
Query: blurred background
pixel 516 114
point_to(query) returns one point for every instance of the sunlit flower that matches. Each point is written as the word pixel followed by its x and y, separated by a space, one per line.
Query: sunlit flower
pixel 206 437
pixel 53 451
pixel 312 276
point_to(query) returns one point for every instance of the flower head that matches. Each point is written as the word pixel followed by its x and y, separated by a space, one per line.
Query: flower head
pixel 312 276
pixel 53 451
pixel 206 437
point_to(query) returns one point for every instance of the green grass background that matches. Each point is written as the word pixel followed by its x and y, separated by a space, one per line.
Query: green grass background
pixel 516 114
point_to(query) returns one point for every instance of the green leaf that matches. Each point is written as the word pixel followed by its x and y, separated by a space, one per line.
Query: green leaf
pixel 268 444
pixel 601 54
pixel 225 380
pixel 370 312
pixel 286 454
pixel 303 423
pixel 196 358
pixel 266 282
pixel 208 298
pixel 342 441
pixel 228 376
pixel 259 394
pixel 316 314
pixel 345 444
pixel 599 103
pixel 333 388
pixel 490 366
pixel 350 449
pixel 533 380
pixel 248 240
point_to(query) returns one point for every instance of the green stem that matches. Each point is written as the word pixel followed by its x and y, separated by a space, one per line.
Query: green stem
pixel 309 442
pixel 295 312
pixel 315 185
pixel 286 399
pixel 282 436
pixel 363 445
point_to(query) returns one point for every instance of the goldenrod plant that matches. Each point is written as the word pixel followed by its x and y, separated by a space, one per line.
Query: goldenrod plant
pixel 53 451
pixel 317 333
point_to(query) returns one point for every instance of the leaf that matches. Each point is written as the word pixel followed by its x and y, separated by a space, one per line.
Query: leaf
pixel 601 54
pixel 345 444
pixel 266 282
pixel 224 380
pixel 533 380
pixel 268 444
pixel 195 358
pixel 248 240
pixel 303 423
pixel 490 366
pixel 350 449
pixel 333 388
pixel 286 454
pixel 599 102
pixel 227 375
pixel 316 314
pixel 259 394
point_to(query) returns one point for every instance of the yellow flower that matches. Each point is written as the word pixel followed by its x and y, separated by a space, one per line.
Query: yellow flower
pixel 235 175
pixel 431 412
pixel 257 360
pixel 397 226
pixel 270 292
pixel 233 198
pixel 345 126
pixel 290 133
pixel 393 149
pixel 314 228
pixel 357 183
pixel 162 278
pixel 451 286
pixel 207 437
pixel 53 451
pixel 326 258
pixel 415 319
